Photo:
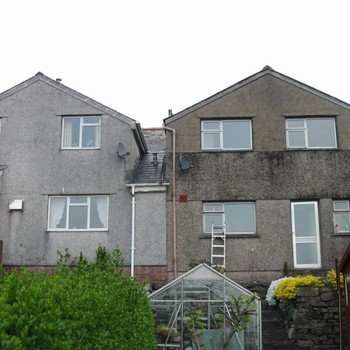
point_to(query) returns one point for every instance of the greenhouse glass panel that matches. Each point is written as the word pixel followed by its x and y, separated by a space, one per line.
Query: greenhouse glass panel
pixel 202 303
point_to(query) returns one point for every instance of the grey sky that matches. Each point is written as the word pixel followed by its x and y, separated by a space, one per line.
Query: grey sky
pixel 142 58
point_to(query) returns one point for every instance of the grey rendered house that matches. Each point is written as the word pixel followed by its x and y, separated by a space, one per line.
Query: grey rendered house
pixel 66 162
pixel 268 161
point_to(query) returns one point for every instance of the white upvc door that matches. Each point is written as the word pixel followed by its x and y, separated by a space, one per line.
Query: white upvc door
pixel 306 235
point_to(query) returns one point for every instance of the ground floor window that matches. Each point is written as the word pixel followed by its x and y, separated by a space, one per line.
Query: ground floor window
pixel 78 213
pixel 238 217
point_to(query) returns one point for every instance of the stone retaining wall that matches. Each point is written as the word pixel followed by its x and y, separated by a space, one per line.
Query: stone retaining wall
pixel 312 320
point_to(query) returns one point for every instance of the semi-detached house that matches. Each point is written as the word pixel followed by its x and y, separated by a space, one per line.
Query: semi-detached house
pixel 266 162
pixel 67 165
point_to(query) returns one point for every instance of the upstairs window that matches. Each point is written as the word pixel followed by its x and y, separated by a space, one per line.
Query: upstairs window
pixel 311 133
pixel 81 132
pixel 234 134
pixel 78 213
pixel 238 217
pixel 341 215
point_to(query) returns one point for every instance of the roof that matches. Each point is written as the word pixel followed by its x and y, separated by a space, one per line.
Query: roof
pixel 151 166
pixel 134 125
pixel 267 70
pixel 201 272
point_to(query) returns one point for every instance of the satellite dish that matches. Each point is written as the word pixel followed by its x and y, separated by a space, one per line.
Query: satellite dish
pixel 122 151
pixel 184 164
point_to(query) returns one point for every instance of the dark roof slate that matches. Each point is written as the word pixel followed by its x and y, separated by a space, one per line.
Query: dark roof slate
pixel 151 166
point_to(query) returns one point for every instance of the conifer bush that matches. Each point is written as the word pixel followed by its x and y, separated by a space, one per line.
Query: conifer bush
pixel 88 306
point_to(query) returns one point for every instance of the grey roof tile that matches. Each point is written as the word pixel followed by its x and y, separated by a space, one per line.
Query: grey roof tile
pixel 151 166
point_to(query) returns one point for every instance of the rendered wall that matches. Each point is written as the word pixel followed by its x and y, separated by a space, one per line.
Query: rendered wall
pixel 37 167
pixel 270 175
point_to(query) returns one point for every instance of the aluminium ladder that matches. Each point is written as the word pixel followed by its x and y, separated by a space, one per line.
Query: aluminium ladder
pixel 218 245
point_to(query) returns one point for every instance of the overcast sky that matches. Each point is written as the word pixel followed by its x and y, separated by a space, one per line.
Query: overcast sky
pixel 144 57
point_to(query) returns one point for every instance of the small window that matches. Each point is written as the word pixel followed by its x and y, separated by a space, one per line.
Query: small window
pixel 341 215
pixel 74 213
pixel 311 133
pixel 81 132
pixel 227 134
pixel 238 217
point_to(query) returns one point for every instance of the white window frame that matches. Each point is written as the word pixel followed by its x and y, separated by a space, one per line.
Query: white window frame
pixel 345 211
pixel 222 212
pixel 67 212
pixel 304 129
pixel 299 240
pixel 82 124
pixel 220 132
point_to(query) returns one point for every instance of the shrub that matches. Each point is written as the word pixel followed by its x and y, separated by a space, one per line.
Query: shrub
pixel 287 289
pixel 89 306
pixel 270 295
pixel 331 279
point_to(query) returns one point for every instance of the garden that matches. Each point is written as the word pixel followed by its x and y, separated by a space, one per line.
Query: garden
pixel 82 305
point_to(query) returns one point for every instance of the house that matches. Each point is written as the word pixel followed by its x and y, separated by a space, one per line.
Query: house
pixel 265 163
pixel 67 164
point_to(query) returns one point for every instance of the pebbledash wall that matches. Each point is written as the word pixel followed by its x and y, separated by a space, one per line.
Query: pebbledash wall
pixel 312 320
pixel 38 166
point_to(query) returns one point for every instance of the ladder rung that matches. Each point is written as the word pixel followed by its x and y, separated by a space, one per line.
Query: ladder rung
pixel 217 256
pixel 218 246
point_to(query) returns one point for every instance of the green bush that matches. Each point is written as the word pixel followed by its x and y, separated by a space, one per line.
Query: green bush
pixel 89 306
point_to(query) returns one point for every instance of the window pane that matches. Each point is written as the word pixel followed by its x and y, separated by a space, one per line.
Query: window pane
pixel 90 136
pixel 98 212
pixel 58 207
pixel 296 139
pixel 78 217
pixel 91 120
pixel 304 217
pixel 209 219
pixel 78 199
pixel 71 130
pixel 295 123
pixel 237 134
pixel 240 217
pixel 213 207
pixel 306 253
pixel 210 125
pixel 342 220
pixel 211 140
pixel 321 133
pixel 341 205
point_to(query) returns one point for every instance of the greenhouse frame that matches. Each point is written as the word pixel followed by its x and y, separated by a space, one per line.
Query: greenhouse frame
pixel 205 310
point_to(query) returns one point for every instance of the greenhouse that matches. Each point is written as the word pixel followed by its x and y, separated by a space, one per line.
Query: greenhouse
pixel 204 310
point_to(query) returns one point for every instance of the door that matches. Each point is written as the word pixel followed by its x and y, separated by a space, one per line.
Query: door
pixel 306 235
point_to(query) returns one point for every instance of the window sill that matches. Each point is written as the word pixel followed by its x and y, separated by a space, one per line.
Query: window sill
pixel 225 150
pixel 313 149
pixel 81 149
pixel 230 236
pixel 77 231
pixel 341 234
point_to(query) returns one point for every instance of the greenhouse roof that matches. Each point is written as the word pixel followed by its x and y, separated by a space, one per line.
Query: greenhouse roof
pixel 201 273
